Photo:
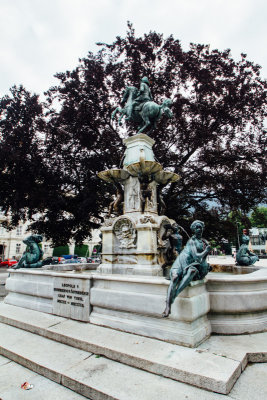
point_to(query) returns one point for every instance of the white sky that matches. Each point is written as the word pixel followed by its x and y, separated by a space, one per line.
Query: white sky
pixel 41 37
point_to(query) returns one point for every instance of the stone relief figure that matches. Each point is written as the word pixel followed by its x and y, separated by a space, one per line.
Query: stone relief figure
pixel 145 190
pixel 31 258
pixel 133 198
pixel 151 202
pixel 116 205
pixel 173 245
pixel 138 106
pixel 190 265
pixel 244 256
pixel 125 233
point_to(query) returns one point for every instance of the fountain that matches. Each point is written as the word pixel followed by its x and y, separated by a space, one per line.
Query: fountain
pixel 127 291
pixel 130 240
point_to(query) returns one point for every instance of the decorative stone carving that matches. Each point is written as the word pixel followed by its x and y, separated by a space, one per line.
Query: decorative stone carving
pixel 133 198
pixel 125 233
pixel 151 201
pixel 131 195
pixel 108 222
pixel 147 219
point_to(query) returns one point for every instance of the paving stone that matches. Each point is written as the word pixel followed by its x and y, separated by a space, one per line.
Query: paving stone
pixel 13 375
pixel 252 384
pixel 243 348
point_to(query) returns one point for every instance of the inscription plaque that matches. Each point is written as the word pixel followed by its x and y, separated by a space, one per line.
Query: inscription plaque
pixel 71 298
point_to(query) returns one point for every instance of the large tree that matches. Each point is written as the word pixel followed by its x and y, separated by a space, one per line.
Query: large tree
pixel 214 142
pixel 258 217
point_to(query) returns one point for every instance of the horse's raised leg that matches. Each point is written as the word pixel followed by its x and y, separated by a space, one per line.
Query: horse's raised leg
pixel 122 115
pixel 115 112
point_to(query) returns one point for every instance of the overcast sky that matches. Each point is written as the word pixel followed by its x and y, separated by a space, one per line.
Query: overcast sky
pixel 41 37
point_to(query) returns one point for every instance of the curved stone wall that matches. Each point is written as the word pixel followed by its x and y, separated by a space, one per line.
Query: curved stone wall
pixel 238 303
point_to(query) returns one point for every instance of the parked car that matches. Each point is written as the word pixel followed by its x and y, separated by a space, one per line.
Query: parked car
pixel 71 261
pixel 82 259
pixel 69 256
pixel 8 262
pixel 50 260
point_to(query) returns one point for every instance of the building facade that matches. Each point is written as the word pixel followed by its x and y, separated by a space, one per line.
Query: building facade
pixel 12 246
pixel 258 240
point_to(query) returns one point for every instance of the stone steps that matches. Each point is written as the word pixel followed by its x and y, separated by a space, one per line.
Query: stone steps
pixel 87 374
pixel 123 352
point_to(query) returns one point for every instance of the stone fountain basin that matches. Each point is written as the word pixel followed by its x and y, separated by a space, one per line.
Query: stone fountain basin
pixel 112 175
pixel 223 304
pixel 164 177
pixel 144 167
pixel 233 269
pixel 238 302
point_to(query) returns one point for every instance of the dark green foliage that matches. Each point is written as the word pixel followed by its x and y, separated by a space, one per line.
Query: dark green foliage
pixel 215 140
pixel 81 251
pixel 258 217
pixel 61 251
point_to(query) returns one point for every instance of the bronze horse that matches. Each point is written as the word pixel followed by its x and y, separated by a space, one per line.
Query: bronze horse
pixel 146 114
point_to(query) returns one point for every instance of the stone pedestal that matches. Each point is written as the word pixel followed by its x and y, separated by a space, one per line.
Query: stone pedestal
pixel 131 242
pixel 136 144
pixel 135 305
pixel 130 245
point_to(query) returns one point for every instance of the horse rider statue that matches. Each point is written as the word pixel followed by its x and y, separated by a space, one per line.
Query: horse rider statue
pixel 143 96
pixel 138 106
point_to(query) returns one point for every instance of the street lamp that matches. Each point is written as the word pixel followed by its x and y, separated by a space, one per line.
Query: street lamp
pixel 238 241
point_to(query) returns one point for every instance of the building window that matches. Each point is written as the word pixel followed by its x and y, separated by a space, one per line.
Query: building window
pixel 18 247
pixel 19 230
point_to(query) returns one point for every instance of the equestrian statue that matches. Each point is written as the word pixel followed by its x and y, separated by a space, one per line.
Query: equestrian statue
pixel 138 106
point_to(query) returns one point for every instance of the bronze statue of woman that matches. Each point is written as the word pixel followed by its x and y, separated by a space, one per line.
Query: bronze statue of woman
pixel 190 265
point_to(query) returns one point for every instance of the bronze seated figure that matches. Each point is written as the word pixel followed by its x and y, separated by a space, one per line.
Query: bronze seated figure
pixel 190 265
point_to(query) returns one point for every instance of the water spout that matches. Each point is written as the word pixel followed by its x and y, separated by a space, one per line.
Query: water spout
pixel 184 231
